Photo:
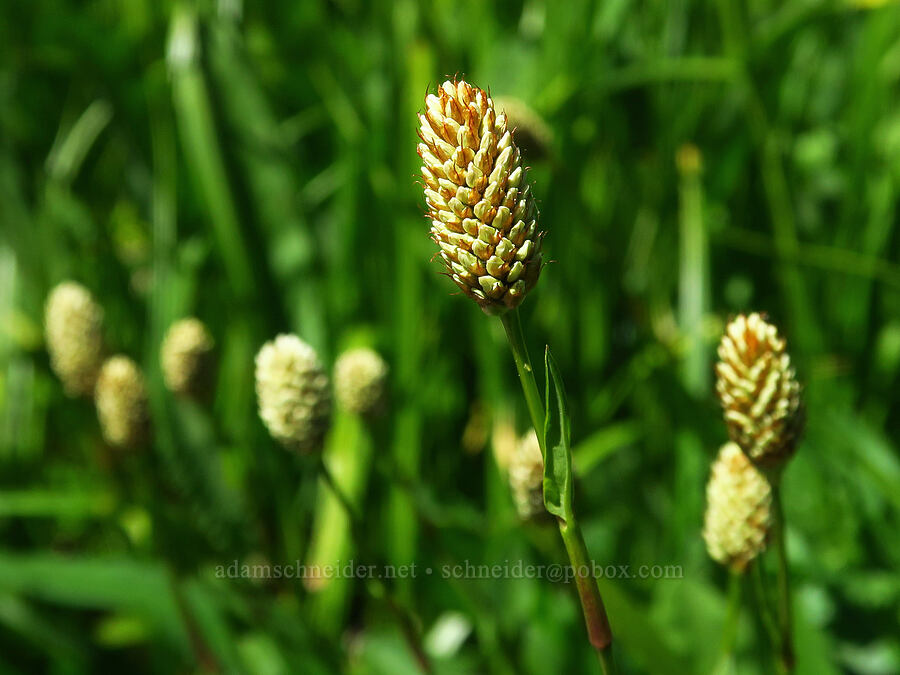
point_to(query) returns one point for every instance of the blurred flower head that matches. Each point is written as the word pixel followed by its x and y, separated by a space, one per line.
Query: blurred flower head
pixel 526 477
pixel 293 393
pixel 186 356
pixel 503 439
pixel 738 515
pixel 74 332
pixel 122 405
pixel 359 381
pixel 531 131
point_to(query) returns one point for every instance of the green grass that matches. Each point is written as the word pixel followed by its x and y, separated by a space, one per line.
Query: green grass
pixel 254 164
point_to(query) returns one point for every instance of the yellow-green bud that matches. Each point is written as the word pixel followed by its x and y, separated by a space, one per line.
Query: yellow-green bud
pixel 186 356
pixel 759 391
pixel 359 381
pixel 526 477
pixel 293 393
pixel 738 509
pixel 121 399
pixel 74 332
pixel 482 212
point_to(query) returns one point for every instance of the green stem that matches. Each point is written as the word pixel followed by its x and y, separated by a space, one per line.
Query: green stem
pixel 205 659
pixel 765 611
pixel 533 399
pixel 729 631
pixel 376 586
pixel 784 588
pixel 128 471
pixel 596 621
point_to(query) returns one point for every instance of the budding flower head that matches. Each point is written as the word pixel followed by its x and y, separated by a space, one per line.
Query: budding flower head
pixel 359 381
pixel 186 356
pixel 482 212
pixel 292 390
pixel 526 477
pixel 738 509
pixel 121 399
pixel 759 391
pixel 74 330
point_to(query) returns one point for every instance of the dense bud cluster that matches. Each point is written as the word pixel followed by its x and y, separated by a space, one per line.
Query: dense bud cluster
pixel 74 333
pixel 293 393
pixel 738 509
pixel 758 390
pixel 122 405
pixel 185 356
pixel 482 212
pixel 359 381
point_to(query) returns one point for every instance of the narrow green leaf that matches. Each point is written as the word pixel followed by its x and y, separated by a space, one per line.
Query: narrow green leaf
pixel 41 503
pixel 104 583
pixel 207 612
pixel 70 150
pixel 594 449
pixel 37 626
pixel 557 432
pixel 203 153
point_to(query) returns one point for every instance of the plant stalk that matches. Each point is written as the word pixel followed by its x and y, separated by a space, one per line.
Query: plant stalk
pixel 733 613
pixel 377 588
pixel 765 612
pixel 595 619
pixel 533 398
pixel 785 618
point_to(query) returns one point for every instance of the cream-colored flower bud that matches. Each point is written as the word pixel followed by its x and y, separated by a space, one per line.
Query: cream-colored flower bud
pixel 526 477
pixel 359 381
pixel 738 509
pixel 74 333
pixel 293 393
pixel 758 390
pixel 186 356
pixel 122 405
pixel 482 212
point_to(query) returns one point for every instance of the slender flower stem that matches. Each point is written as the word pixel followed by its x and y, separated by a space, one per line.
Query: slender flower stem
pixel 206 660
pixel 378 589
pixel 785 618
pixel 533 398
pixel 733 613
pixel 596 621
pixel 127 471
pixel 765 611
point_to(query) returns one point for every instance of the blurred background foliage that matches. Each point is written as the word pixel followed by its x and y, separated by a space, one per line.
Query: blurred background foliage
pixel 255 165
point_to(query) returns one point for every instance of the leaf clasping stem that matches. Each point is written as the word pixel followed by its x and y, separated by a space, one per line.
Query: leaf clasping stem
pixel 596 621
